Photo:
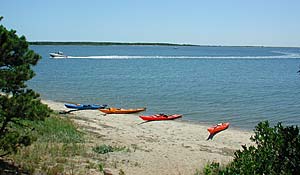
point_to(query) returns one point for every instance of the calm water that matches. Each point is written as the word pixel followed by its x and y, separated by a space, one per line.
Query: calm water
pixel 242 85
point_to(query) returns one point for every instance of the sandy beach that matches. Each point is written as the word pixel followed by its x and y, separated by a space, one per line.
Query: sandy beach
pixel 164 147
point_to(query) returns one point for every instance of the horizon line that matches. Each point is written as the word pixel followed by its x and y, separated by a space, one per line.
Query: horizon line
pixel 143 43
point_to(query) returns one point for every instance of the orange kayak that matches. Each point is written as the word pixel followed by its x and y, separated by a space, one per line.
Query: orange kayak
pixel 217 128
pixel 121 110
pixel 160 117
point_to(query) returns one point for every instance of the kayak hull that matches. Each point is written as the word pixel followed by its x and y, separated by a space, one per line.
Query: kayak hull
pixel 121 111
pixel 84 106
pixel 158 117
pixel 217 128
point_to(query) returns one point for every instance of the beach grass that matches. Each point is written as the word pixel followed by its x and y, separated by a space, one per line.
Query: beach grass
pixel 61 147
pixel 60 130
pixel 58 141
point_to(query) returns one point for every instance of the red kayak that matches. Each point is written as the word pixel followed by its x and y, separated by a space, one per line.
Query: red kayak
pixel 217 128
pixel 160 117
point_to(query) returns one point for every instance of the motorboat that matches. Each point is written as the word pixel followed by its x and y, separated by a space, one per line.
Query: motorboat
pixel 58 55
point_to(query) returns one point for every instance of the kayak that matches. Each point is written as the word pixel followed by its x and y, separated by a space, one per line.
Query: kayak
pixel 160 117
pixel 84 106
pixel 121 110
pixel 217 128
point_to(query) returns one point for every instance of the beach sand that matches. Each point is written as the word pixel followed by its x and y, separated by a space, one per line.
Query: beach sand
pixel 161 147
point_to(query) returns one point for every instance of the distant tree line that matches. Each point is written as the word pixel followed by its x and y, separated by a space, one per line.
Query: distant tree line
pixel 104 43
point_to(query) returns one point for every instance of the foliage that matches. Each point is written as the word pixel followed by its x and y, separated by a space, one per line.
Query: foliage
pixel 101 167
pixel 53 149
pixel 17 102
pixel 103 149
pixel 59 130
pixel 212 168
pixel 277 151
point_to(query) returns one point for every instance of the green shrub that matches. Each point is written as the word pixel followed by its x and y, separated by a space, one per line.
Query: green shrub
pixel 212 168
pixel 277 151
pixel 17 102
pixel 101 167
pixel 103 149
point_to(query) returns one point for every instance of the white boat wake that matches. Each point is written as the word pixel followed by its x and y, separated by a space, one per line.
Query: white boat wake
pixel 283 56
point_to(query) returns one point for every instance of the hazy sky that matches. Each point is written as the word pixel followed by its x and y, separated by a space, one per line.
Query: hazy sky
pixel 204 22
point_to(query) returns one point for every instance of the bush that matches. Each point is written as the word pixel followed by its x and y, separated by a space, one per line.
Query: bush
pixel 18 103
pixel 277 151
pixel 103 149
pixel 212 168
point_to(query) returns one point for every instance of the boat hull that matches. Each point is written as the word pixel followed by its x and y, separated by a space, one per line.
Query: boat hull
pixel 217 128
pixel 56 55
pixel 84 106
pixel 158 117
pixel 121 111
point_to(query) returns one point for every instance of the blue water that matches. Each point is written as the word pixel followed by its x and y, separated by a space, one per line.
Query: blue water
pixel 241 85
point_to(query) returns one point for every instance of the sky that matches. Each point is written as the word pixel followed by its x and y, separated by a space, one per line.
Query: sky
pixel 202 22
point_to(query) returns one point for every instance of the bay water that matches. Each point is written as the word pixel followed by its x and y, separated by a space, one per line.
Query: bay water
pixel 240 85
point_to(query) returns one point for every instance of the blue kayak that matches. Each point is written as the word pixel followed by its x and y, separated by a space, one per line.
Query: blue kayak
pixel 85 106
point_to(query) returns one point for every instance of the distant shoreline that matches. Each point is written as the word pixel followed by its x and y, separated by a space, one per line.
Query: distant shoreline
pixel 136 44
pixel 105 43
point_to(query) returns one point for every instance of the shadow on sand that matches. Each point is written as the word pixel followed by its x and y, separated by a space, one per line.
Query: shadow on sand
pixel 144 122
pixel 68 112
pixel 211 136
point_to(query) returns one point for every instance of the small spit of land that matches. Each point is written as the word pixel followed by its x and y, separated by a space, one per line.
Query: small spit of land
pixel 166 147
